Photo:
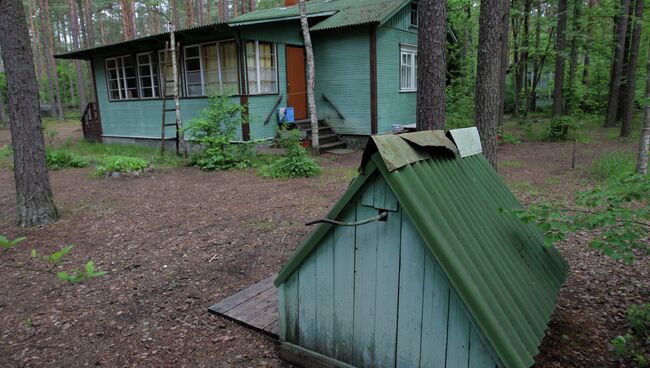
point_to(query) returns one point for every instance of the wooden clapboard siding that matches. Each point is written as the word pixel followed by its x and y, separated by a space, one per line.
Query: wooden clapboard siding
pixel 373 296
pixel 394 107
pixel 342 58
pixel 142 118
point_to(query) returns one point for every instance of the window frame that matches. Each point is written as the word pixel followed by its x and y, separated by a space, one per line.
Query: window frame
pixel 414 10
pixel 258 69
pixel 412 50
pixel 219 70
pixel 121 78
pixel 154 77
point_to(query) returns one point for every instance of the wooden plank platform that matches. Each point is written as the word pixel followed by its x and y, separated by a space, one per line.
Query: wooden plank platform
pixel 255 307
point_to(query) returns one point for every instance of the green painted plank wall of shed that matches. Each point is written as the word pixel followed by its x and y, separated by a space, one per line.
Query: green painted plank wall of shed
pixel 394 107
pixel 142 118
pixel 342 59
pixel 373 296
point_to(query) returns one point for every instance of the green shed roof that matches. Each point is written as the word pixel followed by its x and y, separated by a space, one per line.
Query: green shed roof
pixel 339 13
pixel 507 278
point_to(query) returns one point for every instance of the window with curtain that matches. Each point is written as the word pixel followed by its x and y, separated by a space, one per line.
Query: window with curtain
pixel 121 77
pixel 408 68
pixel 262 67
pixel 211 68
pixel 147 76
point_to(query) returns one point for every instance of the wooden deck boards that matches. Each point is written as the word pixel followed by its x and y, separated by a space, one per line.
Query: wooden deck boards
pixel 255 307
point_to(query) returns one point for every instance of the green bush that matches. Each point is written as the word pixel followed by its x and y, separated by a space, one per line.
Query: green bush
pixel 5 151
pixel 214 131
pixel 295 163
pixel 61 159
pixel 635 345
pixel 559 128
pixel 121 164
pixel 508 138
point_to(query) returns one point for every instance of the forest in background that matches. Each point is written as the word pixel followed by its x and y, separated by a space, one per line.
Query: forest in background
pixel 586 55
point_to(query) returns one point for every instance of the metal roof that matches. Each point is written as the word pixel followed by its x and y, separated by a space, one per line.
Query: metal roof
pixel 340 13
pixel 145 43
pixel 507 278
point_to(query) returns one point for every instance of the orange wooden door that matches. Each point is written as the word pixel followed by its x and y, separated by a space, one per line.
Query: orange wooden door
pixel 297 81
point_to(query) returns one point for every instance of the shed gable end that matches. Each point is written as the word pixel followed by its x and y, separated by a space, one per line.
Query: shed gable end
pixel 373 296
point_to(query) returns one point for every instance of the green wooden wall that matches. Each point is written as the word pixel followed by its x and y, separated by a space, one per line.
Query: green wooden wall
pixel 142 118
pixel 342 59
pixel 394 107
pixel 373 296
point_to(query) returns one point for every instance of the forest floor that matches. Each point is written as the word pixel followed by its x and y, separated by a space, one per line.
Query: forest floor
pixel 178 240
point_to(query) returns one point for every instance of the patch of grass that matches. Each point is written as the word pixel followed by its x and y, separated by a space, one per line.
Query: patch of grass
pixel 522 186
pixel 99 151
pixel 553 180
pixel 511 164
pixel 121 164
pixel 62 158
pixel 5 151
pixel 612 165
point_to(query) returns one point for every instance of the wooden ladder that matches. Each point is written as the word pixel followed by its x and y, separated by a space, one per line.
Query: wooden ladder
pixel 169 61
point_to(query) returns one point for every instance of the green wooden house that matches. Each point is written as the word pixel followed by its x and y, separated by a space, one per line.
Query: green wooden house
pixel 442 279
pixel 365 55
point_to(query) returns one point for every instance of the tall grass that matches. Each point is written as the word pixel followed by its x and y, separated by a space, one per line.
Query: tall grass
pixel 613 165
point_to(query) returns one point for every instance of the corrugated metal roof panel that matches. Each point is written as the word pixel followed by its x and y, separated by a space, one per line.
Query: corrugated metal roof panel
pixel 346 12
pixel 507 278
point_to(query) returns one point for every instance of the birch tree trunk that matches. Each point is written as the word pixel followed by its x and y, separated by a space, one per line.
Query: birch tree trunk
pixel 644 140
pixel 311 76
pixel 488 71
pixel 560 44
pixel 432 64
pixel 35 205
pixel 630 84
pixel 81 86
pixel 617 65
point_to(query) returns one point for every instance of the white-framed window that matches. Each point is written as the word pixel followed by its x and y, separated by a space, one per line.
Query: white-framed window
pixel 211 68
pixel 408 77
pixel 147 75
pixel 414 14
pixel 121 77
pixel 261 61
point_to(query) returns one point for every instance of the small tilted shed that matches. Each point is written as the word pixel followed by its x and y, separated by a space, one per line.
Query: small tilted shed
pixel 439 277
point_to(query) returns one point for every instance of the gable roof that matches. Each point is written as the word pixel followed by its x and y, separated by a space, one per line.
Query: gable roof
pixel 499 266
pixel 339 13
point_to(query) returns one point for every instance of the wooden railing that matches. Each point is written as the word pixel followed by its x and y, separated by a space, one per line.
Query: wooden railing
pixel 270 115
pixel 90 123
pixel 334 107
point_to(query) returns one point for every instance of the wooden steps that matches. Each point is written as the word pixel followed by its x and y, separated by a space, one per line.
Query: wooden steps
pixel 327 137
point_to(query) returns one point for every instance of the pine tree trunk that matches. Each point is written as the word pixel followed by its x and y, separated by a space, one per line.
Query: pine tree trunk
pixel 626 60
pixel 48 36
pixel 488 75
pixel 432 64
pixel 128 19
pixel 35 204
pixel 189 15
pixel 570 102
pixel 644 140
pixel 531 104
pixel 81 87
pixel 560 44
pixel 630 85
pixel 199 12
pixel 504 58
pixel 311 76
pixel 176 18
pixel 617 65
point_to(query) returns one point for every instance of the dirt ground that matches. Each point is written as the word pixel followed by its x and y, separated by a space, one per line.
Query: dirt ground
pixel 179 240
